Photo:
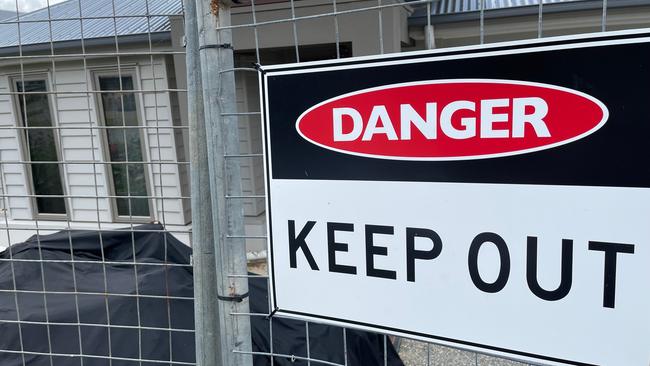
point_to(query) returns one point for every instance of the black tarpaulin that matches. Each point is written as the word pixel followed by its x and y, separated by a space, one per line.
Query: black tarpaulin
pixel 128 320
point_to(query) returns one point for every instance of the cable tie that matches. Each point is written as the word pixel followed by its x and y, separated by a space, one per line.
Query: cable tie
pixel 235 298
pixel 220 45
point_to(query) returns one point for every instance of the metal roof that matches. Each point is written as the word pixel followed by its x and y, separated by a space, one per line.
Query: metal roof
pixel 458 10
pixel 4 14
pixel 459 6
pixel 101 18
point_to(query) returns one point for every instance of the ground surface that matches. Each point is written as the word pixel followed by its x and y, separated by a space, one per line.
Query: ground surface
pixel 415 353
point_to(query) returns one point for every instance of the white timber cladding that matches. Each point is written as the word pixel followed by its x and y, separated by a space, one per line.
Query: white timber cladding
pixel 2 192
pixel 75 111
pixel 160 141
pixel 13 174
pixel 250 142
pixel 75 114
pixel 181 137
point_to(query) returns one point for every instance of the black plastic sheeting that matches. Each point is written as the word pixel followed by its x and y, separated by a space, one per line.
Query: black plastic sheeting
pixel 113 319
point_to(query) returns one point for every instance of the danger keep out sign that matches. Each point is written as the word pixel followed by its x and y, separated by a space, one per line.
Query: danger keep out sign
pixel 493 198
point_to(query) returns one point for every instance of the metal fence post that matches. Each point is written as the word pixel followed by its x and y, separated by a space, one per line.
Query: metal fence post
pixel 205 274
pixel 221 126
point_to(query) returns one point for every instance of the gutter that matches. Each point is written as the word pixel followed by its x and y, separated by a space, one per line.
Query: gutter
pixel 40 48
pixel 419 17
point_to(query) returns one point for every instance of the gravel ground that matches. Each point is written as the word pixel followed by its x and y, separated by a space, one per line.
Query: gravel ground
pixel 414 353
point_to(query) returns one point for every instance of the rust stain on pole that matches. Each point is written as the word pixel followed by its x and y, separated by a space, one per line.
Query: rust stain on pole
pixel 214 7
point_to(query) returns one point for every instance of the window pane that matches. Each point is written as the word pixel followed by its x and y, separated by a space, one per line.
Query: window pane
pixel 119 108
pixel 46 178
pixel 124 144
pixel 139 206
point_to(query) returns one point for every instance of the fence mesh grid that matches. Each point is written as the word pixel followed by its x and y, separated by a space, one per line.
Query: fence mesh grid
pixel 94 136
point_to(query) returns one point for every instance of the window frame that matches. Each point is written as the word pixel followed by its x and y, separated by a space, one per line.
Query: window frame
pixel 101 121
pixel 24 145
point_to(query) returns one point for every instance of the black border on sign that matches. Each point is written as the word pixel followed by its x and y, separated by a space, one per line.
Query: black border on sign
pixel 562 42
pixel 267 183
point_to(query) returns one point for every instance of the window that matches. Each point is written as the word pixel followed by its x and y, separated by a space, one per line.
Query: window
pixel 124 147
pixel 41 148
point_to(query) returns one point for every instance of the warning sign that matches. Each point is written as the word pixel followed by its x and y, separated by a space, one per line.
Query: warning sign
pixel 494 198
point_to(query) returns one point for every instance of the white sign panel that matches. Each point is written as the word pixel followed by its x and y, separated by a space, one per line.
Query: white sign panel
pixel 495 199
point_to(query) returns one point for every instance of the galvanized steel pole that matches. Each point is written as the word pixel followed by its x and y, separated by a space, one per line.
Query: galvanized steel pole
pixel 206 322
pixel 221 127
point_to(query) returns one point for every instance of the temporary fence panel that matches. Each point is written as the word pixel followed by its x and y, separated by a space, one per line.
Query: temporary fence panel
pixel 105 103
pixel 93 136
pixel 270 33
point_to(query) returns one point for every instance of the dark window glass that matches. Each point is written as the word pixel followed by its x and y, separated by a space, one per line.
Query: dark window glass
pixel 46 177
pixel 124 145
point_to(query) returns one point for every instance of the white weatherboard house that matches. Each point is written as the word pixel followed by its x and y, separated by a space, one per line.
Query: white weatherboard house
pixel 61 93
pixel 70 110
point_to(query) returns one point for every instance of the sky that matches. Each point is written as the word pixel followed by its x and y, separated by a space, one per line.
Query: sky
pixel 25 6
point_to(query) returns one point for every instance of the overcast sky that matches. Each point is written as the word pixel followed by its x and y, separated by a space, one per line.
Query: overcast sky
pixel 25 5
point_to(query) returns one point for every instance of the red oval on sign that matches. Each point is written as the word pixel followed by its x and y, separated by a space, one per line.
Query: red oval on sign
pixel 455 119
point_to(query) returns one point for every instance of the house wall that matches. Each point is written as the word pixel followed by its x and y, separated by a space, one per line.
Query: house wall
pixel 75 111
pixel 18 206
pixel 462 33
pixel 2 198
pixel 250 142
pixel 177 72
pixel 361 29
pixel 162 142
pixel 181 136
pixel 364 41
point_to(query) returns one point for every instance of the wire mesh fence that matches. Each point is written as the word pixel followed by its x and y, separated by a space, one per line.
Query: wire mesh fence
pixel 93 138
pixel 103 106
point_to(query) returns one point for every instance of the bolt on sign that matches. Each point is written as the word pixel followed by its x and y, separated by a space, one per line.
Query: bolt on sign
pixel 493 198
